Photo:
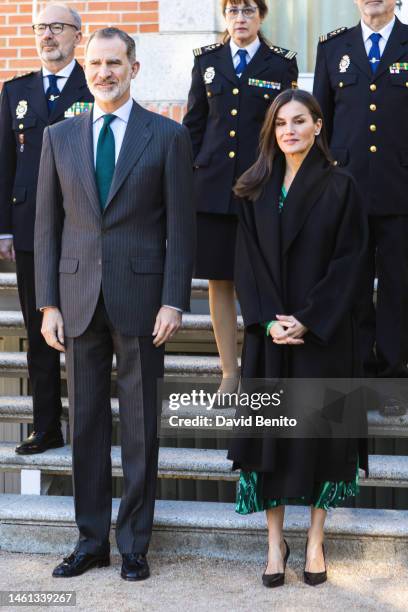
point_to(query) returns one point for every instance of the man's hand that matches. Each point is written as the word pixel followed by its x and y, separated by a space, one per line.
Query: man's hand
pixel 53 328
pixel 168 321
pixel 7 249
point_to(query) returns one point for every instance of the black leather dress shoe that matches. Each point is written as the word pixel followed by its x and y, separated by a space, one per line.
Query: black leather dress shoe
pixel 40 441
pixel 315 578
pixel 134 567
pixel 78 563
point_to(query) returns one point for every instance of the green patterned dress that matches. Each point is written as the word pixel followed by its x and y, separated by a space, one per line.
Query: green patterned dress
pixel 325 495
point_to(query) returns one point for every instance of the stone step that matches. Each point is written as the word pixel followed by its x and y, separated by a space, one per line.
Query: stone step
pixel 14 364
pixel 194 327
pixel 8 282
pixel 19 409
pixel 191 464
pixel 45 524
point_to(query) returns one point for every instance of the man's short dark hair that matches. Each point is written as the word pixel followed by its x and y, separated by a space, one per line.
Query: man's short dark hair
pixel 116 32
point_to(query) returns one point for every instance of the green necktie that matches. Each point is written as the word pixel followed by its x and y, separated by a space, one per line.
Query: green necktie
pixel 105 159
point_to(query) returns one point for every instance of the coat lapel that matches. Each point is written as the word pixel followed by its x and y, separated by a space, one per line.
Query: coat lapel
pixel 137 135
pixel 225 64
pixel 81 143
pixel 73 91
pixel 394 49
pixel 259 62
pixel 37 98
pixel 305 191
pixel 358 53
pixel 267 220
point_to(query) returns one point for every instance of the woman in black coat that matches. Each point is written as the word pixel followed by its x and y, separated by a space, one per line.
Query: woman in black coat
pixel 301 240
pixel 232 87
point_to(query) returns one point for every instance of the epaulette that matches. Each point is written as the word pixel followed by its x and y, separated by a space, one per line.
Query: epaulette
pixel 207 49
pixel 283 52
pixel 20 76
pixel 331 35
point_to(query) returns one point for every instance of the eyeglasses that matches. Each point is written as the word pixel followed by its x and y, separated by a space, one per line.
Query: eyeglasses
pixel 55 28
pixel 247 12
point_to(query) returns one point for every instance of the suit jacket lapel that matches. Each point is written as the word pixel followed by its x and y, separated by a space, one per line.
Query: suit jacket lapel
pixel 137 135
pixel 306 189
pixel 394 49
pixel 72 92
pixel 224 63
pixel 358 53
pixel 81 143
pixel 258 64
pixel 37 98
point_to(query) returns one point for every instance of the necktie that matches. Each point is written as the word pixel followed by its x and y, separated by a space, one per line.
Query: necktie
pixel 52 93
pixel 105 159
pixel 374 56
pixel 242 62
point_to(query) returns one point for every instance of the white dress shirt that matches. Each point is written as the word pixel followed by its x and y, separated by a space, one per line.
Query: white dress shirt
pixel 385 34
pixel 250 49
pixel 118 125
pixel 64 75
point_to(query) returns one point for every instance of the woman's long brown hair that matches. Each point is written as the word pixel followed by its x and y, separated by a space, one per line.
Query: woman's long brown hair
pixel 251 183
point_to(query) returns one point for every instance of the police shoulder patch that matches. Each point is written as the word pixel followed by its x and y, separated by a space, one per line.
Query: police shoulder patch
pixel 332 34
pixel 20 76
pixel 283 52
pixel 207 49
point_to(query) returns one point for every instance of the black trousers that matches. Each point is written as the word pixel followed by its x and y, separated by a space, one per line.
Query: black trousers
pixel 43 361
pixel 89 366
pixel 384 327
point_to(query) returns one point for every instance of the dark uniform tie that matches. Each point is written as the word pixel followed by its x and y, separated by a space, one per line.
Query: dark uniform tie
pixel 242 62
pixel 375 55
pixel 105 159
pixel 52 93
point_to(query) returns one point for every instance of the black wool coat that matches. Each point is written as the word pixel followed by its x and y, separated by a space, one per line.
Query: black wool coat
pixel 225 115
pixel 366 115
pixel 306 262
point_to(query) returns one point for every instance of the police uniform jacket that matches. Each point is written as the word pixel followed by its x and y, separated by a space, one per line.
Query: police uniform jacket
pixel 225 116
pixel 366 114
pixel 23 118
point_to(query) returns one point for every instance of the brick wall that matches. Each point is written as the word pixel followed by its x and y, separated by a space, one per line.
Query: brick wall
pixel 17 49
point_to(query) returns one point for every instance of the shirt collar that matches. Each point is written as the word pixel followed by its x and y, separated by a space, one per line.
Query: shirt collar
pixel 123 112
pixel 250 49
pixel 385 32
pixel 65 72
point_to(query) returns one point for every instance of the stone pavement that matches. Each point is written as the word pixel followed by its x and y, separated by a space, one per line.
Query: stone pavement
pixel 185 583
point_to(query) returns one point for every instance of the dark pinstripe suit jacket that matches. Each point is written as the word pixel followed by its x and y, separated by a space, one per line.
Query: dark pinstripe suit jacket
pixel 140 249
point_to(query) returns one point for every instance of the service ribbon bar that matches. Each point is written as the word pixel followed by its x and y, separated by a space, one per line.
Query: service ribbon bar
pixel 267 84
pixel 399 67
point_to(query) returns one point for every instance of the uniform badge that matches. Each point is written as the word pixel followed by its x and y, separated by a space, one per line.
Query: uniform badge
pixel 21 109
pixel 209 75
pixel 267 84
pixel 344 63
pixel 77 109
pixel 399 67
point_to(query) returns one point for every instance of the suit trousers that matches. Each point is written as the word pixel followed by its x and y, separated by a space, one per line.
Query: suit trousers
pixel 89 366
pixel 43 361
pixel 384 327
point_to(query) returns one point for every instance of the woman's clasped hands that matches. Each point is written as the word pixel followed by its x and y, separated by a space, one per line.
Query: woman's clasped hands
pixel 287 330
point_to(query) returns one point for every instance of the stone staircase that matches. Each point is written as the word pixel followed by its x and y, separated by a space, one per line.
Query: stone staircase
pixel 36 521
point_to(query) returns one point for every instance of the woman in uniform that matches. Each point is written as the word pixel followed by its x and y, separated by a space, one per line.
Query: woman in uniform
pixel 301 240
pixel 232 87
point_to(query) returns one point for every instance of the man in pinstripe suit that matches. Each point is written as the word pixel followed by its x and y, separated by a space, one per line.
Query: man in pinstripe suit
pixel 113 256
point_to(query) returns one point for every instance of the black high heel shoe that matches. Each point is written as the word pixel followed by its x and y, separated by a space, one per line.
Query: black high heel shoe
pixel 278 579
pixel 314 578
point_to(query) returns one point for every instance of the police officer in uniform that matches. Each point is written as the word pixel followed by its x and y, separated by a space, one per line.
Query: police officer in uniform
pixel 233 85
pixel 28 104
pixel 361 82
